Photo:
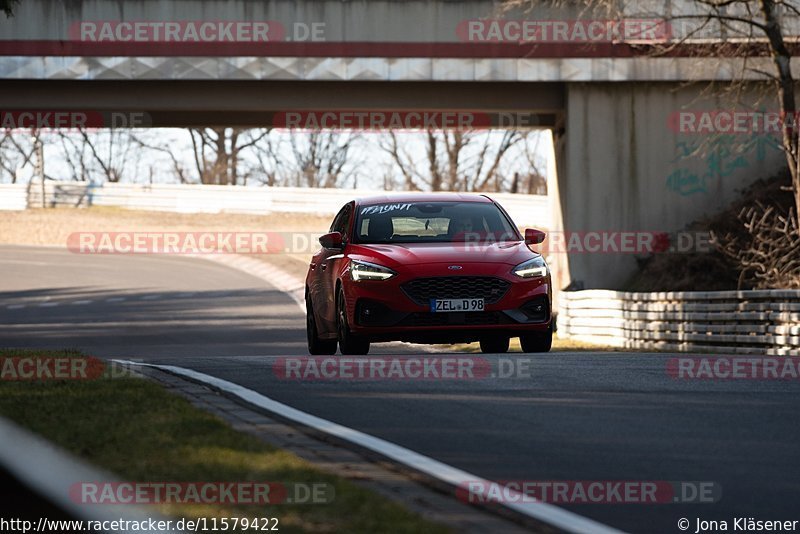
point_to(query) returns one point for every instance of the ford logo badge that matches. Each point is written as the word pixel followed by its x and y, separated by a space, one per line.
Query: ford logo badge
pixel 455 267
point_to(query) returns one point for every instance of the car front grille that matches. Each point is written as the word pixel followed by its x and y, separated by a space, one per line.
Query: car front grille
pixel 487 288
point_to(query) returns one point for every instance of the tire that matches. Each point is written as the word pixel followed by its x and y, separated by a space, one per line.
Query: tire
pixel 316 346
pixel 494 345
pixel 537 341
pixel 349 344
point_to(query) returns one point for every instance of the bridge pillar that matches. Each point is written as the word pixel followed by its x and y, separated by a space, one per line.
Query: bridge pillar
pixel 625 167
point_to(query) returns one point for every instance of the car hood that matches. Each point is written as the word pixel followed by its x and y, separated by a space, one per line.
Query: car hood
pixel 395 255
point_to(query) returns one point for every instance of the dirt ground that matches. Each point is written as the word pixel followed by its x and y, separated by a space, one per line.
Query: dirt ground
pixel 54 226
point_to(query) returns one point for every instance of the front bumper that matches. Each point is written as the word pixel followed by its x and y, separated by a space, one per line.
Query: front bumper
pixel 384 310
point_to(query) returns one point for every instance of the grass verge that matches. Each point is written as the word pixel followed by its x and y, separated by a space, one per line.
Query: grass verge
pixel 135 429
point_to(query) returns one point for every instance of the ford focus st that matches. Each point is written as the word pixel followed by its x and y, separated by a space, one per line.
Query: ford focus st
pixel 443 268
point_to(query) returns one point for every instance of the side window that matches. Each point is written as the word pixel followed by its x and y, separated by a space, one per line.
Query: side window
pixel 335 223
pixel 342 221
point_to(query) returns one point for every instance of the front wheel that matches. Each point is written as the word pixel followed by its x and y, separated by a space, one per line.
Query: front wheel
pixel 316 346
pixel 349 344
pixel 537 341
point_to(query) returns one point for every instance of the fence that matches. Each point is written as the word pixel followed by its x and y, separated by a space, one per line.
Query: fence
pixel 526 210
pixel 733 322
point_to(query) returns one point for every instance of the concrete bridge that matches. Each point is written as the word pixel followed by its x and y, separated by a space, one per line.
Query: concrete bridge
pixel 625 159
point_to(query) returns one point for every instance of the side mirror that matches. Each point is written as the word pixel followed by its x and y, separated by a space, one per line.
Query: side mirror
pixel 332 240
pixel 533 236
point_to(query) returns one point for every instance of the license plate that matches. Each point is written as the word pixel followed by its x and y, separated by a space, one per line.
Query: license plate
pixel 456 305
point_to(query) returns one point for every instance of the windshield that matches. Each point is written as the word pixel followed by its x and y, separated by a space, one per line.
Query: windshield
pixel 433 222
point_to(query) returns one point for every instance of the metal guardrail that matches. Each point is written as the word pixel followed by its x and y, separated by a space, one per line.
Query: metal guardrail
pixel 46 474
pixel 733 322
pixel 526 210
pixel 13 196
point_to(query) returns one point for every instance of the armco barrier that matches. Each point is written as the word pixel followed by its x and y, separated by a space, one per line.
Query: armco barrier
pixel 526 210
pixel 44 474
pixel 732 322
pixel 13 196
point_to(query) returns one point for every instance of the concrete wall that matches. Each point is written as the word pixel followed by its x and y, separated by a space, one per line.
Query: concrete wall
pixel 625 169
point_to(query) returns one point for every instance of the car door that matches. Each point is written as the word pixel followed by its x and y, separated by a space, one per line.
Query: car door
pixel 326 266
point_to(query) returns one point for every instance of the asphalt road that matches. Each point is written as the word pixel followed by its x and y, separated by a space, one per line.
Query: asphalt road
pixel 578 416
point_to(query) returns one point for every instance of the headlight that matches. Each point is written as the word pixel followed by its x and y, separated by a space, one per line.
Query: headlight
pixel 362 270
pixel 535 268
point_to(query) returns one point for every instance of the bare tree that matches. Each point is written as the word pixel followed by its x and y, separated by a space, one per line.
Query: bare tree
pixel 309 159
pixel 217 156
pixel 269 161
pixel 112 152
pixel 217 153
pixel 179 169
pixel 535 181
pixel 761 254
pixel 453 160
pixel 403 163
pixel 487 165
pixel 102 155
pixel 233 156
pixel 16 151
pixel 75 156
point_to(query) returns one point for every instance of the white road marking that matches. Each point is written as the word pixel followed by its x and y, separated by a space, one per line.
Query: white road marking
pixel 81 302
pixel 115 299
pixel 151 297
pixel 15 306
pixel 547 513
pixel 48 304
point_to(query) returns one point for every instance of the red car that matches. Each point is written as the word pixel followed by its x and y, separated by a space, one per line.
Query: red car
pixel 427 268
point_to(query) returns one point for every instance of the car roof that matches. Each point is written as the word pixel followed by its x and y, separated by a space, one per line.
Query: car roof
pixel 421 197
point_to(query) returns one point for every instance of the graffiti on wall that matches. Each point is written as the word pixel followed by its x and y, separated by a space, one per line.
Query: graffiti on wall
pixel 721 157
